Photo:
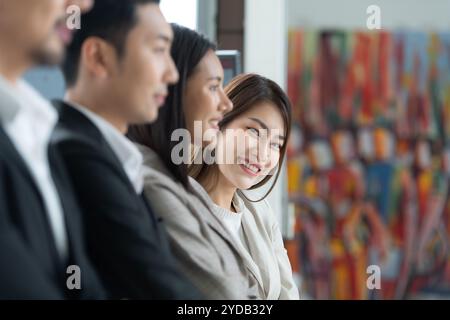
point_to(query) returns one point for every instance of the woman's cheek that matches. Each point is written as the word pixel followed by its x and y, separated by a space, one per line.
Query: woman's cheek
pixel 274 159
pixel 229 150
pixel 251 145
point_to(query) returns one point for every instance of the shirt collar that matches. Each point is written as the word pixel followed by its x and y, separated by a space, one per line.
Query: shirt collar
pixel 24 99
pixel 9 104
pixel 128 154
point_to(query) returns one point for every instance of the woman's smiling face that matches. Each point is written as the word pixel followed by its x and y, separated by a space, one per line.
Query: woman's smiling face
pixel 249 147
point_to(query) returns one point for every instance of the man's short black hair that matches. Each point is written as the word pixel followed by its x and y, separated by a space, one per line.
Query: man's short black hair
pixel 111 20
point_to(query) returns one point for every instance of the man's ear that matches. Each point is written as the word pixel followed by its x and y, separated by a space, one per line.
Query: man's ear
pixel 98 58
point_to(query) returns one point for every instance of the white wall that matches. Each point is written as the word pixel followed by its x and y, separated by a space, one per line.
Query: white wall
pixel 265 45
pixel 420 15
pixel 265 42
pixel 206 18
pixel 183 12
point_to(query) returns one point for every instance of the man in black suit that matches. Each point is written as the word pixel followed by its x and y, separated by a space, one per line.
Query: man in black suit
pixel 42 251
pixel 117 70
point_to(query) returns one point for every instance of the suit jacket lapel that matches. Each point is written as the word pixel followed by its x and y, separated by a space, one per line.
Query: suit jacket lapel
pixel 215 223
pixel 16 159
pixel 78 122
pixel 8 148
pixel 68 203
pixel 249 259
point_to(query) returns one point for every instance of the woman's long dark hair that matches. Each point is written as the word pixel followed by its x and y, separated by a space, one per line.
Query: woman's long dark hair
pixel 188 49
pixel 247 91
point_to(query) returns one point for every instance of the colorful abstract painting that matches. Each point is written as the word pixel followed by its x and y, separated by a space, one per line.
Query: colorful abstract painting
pixel 369 163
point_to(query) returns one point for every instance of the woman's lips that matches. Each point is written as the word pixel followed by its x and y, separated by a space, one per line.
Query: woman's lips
pixel 215 124
pixel 252 169
pixel 160 99
pixel 248 171
pixel 64 33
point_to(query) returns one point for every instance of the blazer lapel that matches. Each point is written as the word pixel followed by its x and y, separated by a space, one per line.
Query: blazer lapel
pixel 258 249
pixel 78 122
pixel 250 253
pixel 16 159
pixel 215 223
pixel 8 148
pixel 68 203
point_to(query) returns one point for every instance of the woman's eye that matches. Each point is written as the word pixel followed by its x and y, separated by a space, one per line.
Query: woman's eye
pixel 276 146
pixel 160 50
pixel 253 131
pixel 214 88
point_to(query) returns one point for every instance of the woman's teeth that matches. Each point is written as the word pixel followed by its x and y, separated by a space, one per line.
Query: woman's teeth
pixel 252 168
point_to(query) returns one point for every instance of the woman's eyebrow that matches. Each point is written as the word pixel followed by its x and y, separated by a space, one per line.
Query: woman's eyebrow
pixel 261 123
pixel 264 126
pixel 215 78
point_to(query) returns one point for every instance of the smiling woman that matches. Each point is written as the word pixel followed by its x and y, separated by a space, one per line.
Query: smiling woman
pixel 261 119
pixel 263 112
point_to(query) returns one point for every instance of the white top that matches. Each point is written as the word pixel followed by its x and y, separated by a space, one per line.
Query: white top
pixel 28 119
pixel 124 149
pixel 231 220
pixel 261 246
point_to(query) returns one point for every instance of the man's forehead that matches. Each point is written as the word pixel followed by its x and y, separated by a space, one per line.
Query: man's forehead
pixel 151 16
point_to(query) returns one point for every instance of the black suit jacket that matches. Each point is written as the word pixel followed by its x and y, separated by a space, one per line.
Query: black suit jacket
pixel 30 267
pixel 126 243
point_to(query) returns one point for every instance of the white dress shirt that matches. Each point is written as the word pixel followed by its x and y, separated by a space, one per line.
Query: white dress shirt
pixel 128 154
pixel 28 119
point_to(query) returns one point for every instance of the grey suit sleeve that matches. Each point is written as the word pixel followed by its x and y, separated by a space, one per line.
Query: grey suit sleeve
pixel 189 242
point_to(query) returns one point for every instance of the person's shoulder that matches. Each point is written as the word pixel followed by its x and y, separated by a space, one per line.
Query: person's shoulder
pixel 69 143
pixel 197 187
pixel 261 211
pixel 261 207
pixel 156 175
pixel 153 167
pixel 73 127
pixel 158 181
pixel 63 134
pixel 200 192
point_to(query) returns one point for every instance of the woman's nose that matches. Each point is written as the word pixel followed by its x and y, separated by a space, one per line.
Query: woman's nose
pixel 226 105
pixel 263 150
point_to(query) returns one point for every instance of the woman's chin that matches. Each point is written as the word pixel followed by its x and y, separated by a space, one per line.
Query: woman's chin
pixel 245 184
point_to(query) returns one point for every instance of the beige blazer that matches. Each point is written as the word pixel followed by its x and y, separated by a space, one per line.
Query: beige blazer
pixel 263 250
pixel 266 256
pixel 198 240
